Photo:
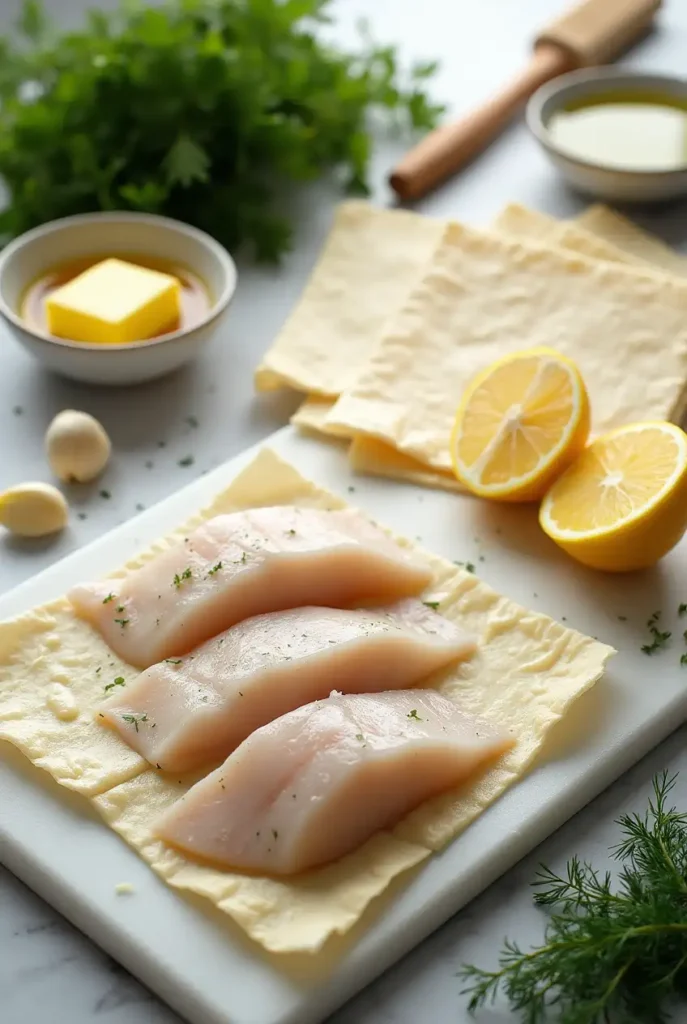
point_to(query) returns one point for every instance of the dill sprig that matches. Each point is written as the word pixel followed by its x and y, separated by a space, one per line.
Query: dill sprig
pixel 609 954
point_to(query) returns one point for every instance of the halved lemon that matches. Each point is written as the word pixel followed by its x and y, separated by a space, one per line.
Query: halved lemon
pixel 519 424
pixel 622 504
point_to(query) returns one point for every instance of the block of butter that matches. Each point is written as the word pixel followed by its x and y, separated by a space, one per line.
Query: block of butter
pixel 114 302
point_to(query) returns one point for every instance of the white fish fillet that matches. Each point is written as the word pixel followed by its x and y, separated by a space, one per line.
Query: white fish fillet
pixel 318 782
pixel 205 704
pixel 243 564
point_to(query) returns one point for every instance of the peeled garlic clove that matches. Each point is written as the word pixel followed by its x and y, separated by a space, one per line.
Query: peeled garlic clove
pixel 77 447
pixel 33 510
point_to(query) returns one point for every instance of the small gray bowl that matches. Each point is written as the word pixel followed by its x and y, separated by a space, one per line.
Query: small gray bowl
pixel 603 182
pixel 115 234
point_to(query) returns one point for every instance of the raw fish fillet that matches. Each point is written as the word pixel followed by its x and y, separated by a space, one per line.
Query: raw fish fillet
pixel 205 704
pixel 318 782
pixel 243 564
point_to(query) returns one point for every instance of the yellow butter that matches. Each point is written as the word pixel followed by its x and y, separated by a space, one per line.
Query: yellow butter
pixel 114 302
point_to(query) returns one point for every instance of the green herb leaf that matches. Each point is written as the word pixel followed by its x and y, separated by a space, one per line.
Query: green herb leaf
pixel 186 163
pixel 173 661
pixel 134 720
pixel 414 714
pixel 179 579
pixel 432 604
pixel 119 681
pixel 110 597
pixel 608 954
pixel 682 609
pixel 216 568
pixel 122 622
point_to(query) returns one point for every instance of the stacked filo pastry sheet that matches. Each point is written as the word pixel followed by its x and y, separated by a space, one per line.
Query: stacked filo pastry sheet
pixel 402 310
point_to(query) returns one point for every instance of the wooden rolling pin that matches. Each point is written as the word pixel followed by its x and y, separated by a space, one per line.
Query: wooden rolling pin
pixel 592 33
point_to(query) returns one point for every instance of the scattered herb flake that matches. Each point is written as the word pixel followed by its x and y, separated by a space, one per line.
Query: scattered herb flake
pixel 683 659
pixel 122 622
pixel 622 618
pixel 275 833
pixel 81 515
pixel 140 507
pixel 17 410
pixel 659 638
pixel 414 714
pixel 173 661
pixel 192 421
pixel 351 489
pixel 431 604
pixel 216 568
pixel 110 597
pixel 682 610
pixel 178 580
pixel 119 681
pixel 188 460
pixel 149 464
pixel 105 494
pixel 134 720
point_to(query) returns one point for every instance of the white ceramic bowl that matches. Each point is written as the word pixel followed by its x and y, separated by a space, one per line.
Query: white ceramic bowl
pixel 592 178
pixel 113 234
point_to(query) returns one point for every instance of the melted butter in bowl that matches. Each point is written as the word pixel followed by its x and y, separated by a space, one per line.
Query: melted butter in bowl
pixel 616 135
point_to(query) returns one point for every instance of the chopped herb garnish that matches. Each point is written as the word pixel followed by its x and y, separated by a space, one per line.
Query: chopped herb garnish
pixel 161 444
pixel 431 604
pixel 216 568
pixel 149 464
pixel 119 608
pixel 134 720
pixel 192 421
pixel 291 533
pixel 173 661
pixel 178 580
pixel 158 766
pixel 275 833
pixel 17 410
pixel 659 638
pixel 119 681
pixel 110 597
pixel 468 566
pixel 351 489
pixel 622 618
pixel 105 494
pixel 188 460
pixel 99 670
pixel 683 659
pixel 140 507
pixel 81 515
pixel 414 714
pixel 360 738
pixel 682 610
pixel 122 622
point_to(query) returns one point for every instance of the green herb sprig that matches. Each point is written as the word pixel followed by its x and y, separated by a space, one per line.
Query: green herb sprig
pixel 609 954
pixel 214 110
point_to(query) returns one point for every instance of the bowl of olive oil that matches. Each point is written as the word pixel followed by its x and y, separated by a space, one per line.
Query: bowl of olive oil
pixel 617 135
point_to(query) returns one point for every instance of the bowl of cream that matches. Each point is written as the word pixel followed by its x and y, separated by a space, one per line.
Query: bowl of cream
pixel 614 134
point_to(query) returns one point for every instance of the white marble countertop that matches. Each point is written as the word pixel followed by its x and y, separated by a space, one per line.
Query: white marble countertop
pixel 45 963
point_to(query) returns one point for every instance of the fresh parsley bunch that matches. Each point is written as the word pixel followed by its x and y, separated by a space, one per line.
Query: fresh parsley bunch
pixel 206 110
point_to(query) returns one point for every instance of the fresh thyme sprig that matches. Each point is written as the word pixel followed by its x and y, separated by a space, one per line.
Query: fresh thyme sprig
pixel 616 956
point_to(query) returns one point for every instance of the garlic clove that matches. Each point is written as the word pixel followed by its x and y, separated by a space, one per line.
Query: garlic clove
pixel 33 510
pixel 77 446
